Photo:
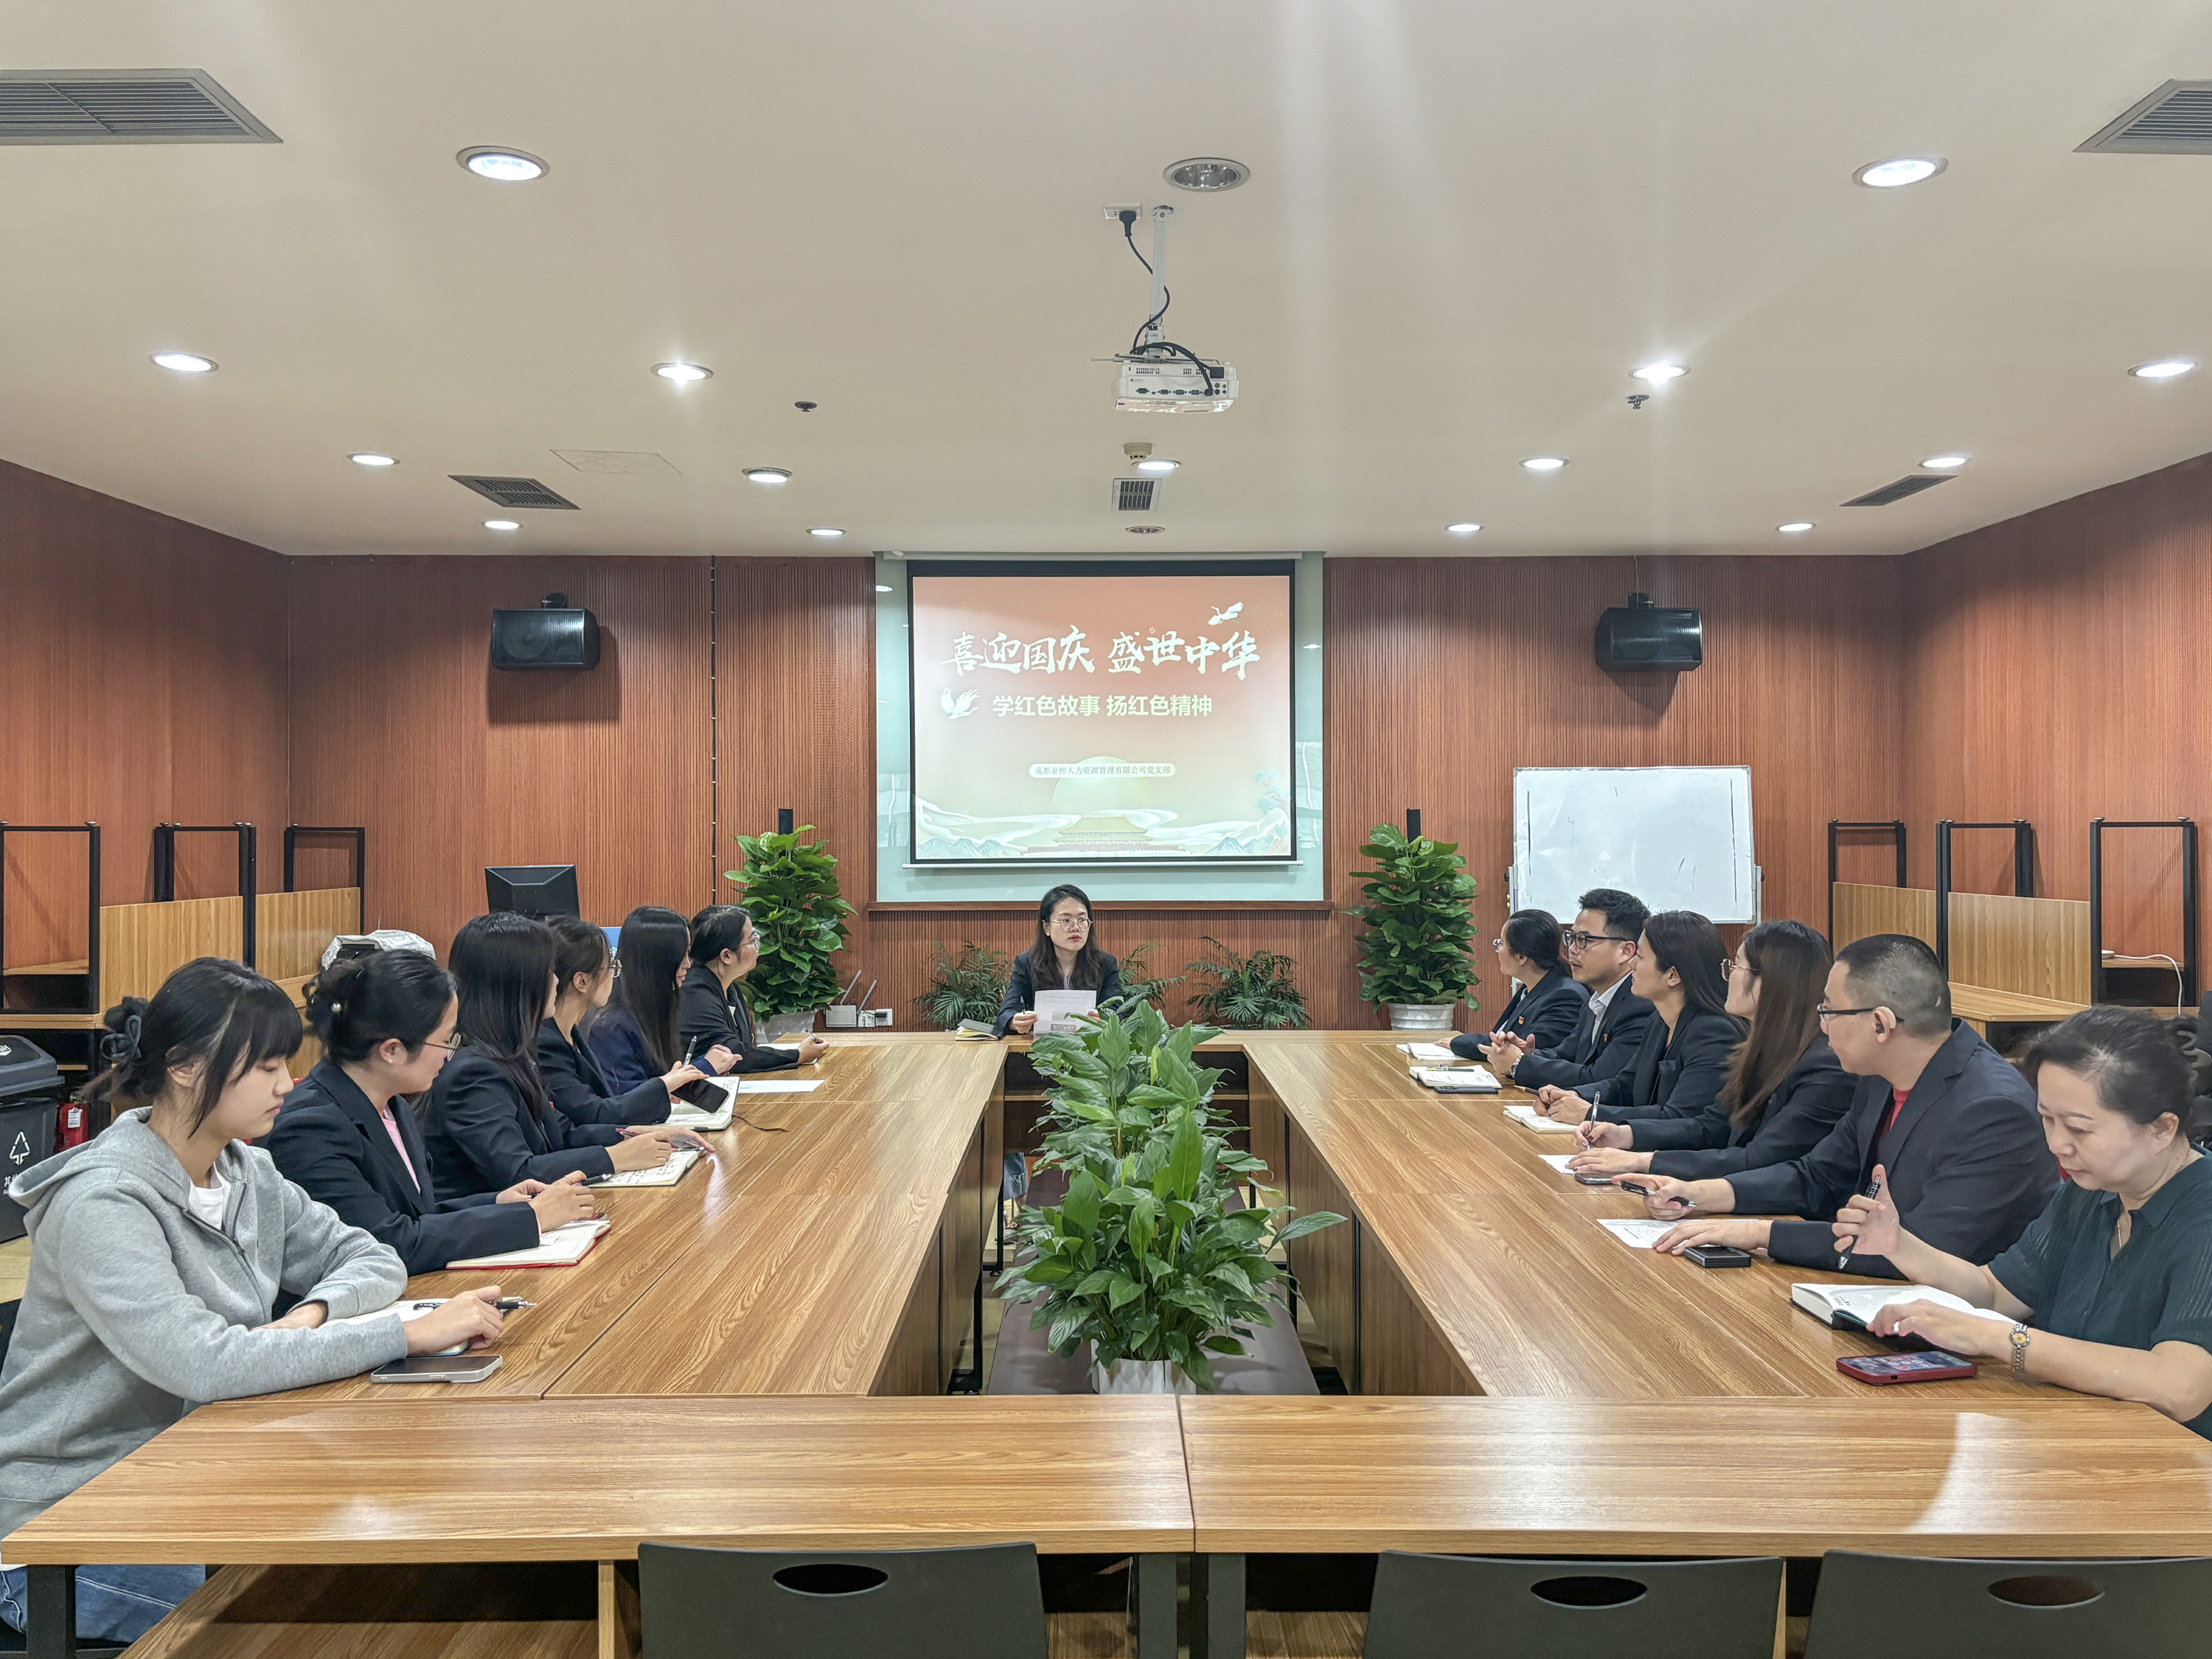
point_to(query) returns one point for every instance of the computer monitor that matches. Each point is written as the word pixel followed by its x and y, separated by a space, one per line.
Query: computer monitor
pixel 533 889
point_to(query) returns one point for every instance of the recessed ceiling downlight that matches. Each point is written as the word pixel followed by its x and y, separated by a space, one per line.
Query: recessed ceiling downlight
pixel 1146 529
pixel 501 524
pixel 1943 463
pixel 1795 527
pixel 684 374
pixel 503 166
pixel 184 362
pixel 2164 369
pixel 1900 170
pixel 826 530
pixel 1203 172
pixel 768 475
pixel 370 457
pixel 1658 374
pixel 1545 463
pixel 1462 528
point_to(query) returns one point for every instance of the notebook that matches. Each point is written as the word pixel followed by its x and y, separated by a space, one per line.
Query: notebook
pixel 667 1175
pixel 1529 1118
pixel 1431 1053
pixel 682 1115
pixel 1852 1307
pixel 1456 1079
pixel 561 1247
pixel 1638 1235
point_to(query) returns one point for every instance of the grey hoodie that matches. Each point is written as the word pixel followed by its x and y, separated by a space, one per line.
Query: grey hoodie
pixel 136 1310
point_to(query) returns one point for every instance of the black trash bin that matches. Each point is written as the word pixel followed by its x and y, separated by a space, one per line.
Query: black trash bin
pixel 30 1095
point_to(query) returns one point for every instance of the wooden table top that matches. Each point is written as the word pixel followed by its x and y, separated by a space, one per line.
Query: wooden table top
pixel 587 1479
pixel 2060 1475
pixel 1982 1003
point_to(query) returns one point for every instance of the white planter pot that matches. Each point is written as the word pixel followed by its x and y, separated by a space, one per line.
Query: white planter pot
pixel 788 1025
pixel 1140 1376
pixel 1419 1016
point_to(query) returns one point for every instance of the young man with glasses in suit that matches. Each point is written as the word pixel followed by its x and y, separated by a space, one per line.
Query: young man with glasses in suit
pixel 1601 950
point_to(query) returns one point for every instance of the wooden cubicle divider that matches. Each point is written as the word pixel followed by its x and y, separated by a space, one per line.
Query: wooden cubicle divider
pixel 297 928
pixel 2032 946
pixel 1861 910
pixel 142 945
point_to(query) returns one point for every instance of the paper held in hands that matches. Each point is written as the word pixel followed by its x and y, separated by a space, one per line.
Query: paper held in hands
pixel 1056 1011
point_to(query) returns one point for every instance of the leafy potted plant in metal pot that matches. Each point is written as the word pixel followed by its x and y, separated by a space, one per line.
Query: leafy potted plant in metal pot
pixel 791 888
pixel 1145 1259
pixel 1420 927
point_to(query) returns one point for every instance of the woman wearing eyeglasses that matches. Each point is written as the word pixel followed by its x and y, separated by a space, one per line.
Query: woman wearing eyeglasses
pixel 586 970
pixel 1546 1003
pixel 347 1135
pixel 1065 957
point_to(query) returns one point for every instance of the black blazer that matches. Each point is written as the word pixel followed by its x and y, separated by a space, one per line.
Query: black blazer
pixel 482 1133
pixel 1673 1091
pixel 1022 989
pixel 579 1088
pixel 707 1016
pixel 329 1140
pixel 1788 1123
pixel 1594 1050
pixel 1967 1165
pixel 1546 1013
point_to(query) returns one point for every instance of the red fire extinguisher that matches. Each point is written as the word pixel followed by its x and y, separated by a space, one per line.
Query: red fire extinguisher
pixel 69 1126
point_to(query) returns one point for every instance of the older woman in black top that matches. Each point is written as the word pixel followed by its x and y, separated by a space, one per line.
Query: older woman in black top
pixel 1547 1002
pixel 2109 1291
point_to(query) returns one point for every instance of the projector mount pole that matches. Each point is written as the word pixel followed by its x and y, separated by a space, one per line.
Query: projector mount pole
pixel 1155 331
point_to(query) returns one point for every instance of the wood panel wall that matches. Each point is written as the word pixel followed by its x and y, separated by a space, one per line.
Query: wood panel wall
pixel 2053 673
pixel 142 678
pixel 399 722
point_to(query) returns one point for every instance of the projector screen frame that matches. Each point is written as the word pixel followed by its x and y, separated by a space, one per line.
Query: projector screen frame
pixel 1286 566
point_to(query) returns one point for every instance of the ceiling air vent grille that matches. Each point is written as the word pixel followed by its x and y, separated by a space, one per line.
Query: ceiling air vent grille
pixel 2175 120
pixel 1135 495
pixel 513 492
pixel 1912 484
pixel 123 106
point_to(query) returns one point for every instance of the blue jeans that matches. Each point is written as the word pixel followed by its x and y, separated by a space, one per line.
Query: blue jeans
pixel 113 1604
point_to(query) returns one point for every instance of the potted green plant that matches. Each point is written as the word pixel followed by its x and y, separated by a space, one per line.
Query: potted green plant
pixel 969 986
pixel 1250 993
pixel 1145 1259
pixel 1139 986
pixel 791 888
pixel 1420 927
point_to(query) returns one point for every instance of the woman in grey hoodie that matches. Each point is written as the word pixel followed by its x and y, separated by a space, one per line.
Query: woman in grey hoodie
pixel 159 1251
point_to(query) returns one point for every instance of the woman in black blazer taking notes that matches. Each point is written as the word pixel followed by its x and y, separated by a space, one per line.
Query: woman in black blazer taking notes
pixel 1064 956
pixel 634 1037
pixel 586 971
pixel 347 1135
pixel 1672 1092
pixel 1546 1003
pixel 711 1009
pixel 491 1122
pixel 1784 1089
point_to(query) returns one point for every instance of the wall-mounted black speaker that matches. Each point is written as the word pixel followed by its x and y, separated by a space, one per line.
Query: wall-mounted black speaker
pixel 1641 635
pixel 551 636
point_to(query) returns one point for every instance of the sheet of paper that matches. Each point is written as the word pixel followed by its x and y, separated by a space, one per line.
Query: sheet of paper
pixel 1638 1235
pixel 1529 1118
pixel 1557 1160
pixel 777 1086
pixel 1056 1010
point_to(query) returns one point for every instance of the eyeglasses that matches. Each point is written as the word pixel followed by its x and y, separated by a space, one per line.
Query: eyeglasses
pixel 1578 941
pixel 452 1045
pixel 1826 1014
pixel 1073 924
pixel 1735 968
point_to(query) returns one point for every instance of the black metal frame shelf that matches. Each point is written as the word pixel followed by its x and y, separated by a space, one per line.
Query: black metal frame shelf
pixel 1836 828
pixel 2023 872
pixel 165 870
pixel 2189 961
pixel 89 829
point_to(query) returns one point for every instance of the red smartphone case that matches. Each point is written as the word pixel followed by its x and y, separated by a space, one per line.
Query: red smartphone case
pixel 1881 1368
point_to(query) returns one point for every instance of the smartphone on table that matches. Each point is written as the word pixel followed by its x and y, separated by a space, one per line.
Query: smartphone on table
pixel 1932 1366
pixel 438 1367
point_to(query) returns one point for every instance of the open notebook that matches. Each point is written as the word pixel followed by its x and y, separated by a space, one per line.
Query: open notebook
pixel 680 1163
pixel 1852 1307
pixel 1456 1079
pixel 557 1248
pixel 1529 1118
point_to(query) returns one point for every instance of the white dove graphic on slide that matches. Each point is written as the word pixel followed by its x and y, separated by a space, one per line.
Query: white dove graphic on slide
pixel 1228 615
pixel 958 707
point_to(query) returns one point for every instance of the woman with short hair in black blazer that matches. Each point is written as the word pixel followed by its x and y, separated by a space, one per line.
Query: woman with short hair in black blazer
pixel 490 1121
pixel 634 1037
pixel 712 1011
pixel 1784 1089
pixel 1064 956
pixel 1678 1072
pixel 1547 1002
pixel 347 1135
pixel 586 971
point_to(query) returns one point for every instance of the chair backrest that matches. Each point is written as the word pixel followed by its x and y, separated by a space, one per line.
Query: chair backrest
pixel 1463 1607
pixel 1903 1608
pixel 854 1604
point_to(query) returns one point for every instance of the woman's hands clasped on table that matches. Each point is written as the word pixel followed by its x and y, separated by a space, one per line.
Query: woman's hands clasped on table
pixel 1505 1051
pixel 1561 1105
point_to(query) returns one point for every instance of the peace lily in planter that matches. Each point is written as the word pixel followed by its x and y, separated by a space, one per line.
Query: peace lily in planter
pixel 1413 949
pixel 1144 1259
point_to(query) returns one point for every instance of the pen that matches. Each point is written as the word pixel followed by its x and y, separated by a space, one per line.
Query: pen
pixel 509 1304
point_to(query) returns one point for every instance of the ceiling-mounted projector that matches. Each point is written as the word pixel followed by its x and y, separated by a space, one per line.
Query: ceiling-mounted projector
pixel 1156 375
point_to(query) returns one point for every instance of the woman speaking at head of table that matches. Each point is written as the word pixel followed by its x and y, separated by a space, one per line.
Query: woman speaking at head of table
pixel 1065 957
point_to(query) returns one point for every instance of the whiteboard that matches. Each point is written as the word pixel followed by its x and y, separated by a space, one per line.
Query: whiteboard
pixel 1679 837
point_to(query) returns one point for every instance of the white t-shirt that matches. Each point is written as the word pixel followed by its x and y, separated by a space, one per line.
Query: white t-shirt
pixel 209 1202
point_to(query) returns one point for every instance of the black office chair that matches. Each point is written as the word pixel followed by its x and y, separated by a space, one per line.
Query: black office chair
pixel 1903 1608
pixel 857 1604
pixel 1465 1607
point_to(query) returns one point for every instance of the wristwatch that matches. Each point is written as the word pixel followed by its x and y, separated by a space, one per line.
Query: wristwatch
pixel 2019 1335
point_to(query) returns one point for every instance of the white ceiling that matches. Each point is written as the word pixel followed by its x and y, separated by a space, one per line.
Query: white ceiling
pixel 1467 220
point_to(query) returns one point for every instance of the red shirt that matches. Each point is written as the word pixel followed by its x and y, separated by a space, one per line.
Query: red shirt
pixel 1896 1099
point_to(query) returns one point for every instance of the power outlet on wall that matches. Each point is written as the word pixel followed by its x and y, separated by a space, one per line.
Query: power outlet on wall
pixel 875 1017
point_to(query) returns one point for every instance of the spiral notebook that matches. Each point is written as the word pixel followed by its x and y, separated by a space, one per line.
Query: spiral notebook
pixel 561 1247
pixel 679 1163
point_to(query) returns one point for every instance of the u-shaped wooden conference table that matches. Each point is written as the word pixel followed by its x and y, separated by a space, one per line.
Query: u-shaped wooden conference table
pixel 755 1358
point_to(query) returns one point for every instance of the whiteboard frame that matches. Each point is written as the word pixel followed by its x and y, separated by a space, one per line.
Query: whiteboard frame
pixel 1520 875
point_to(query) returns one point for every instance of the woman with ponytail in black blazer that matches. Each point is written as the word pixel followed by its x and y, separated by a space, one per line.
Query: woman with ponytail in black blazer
pixel 347 1134
pixel 491 1123
pixel 1547 1002
pixel 634 1037
pixel 711 1010
pixel 1784 1089
pixel 585 970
